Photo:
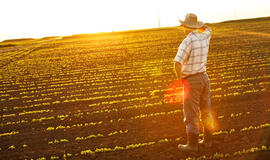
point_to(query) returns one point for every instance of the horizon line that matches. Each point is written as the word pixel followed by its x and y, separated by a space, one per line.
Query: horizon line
pixel 132 30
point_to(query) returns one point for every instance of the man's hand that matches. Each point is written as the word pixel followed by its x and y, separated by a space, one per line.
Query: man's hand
pixel 202 29
pixel 177 69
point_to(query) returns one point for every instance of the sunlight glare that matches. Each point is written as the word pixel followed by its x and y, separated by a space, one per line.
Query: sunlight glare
pixel 33 18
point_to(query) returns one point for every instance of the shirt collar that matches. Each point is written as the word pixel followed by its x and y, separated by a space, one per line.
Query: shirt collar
pixel 195 33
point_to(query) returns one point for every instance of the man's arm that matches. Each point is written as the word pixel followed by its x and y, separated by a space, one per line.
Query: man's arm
pixel 177 69
pixel 206 31
pixel 205 28
pixel 182 53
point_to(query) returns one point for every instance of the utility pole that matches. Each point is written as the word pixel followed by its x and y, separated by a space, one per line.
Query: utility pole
pixel 234 13
pixel 159 19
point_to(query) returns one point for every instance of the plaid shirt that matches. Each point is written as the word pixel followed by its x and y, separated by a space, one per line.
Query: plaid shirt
pixel 193 51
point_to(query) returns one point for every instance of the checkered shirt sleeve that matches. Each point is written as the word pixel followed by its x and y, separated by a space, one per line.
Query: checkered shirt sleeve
pixel 183 51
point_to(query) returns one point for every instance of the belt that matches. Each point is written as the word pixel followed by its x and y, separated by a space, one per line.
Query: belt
pixel 193 75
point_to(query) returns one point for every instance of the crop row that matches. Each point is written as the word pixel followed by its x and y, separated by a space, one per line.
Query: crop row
pixel 237 90
pixel 231 115
pixel 96 83
pixel 80 114
pixel 162 141
pixel 219 155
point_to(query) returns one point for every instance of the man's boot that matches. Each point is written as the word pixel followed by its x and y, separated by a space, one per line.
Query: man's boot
pixel 207 139
pixel 192 143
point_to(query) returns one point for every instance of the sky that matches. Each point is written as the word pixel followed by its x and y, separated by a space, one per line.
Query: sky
pixel 43 18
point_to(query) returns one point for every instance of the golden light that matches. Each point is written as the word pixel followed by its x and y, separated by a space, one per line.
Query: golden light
pixel 176 93
pixel 211 122
pixel 32 18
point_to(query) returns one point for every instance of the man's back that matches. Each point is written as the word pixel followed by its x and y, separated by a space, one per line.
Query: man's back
pixel 193 52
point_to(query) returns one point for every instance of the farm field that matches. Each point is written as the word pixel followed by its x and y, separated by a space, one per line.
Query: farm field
pixel 105 96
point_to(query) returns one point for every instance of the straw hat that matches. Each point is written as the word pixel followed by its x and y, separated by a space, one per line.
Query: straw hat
pixel 191 21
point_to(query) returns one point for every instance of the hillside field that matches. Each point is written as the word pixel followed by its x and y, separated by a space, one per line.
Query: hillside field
pixel 106 96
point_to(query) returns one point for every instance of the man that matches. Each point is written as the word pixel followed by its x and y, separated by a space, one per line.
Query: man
pixel 190 68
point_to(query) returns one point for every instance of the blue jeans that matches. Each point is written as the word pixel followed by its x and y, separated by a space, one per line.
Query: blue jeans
pixel 197 103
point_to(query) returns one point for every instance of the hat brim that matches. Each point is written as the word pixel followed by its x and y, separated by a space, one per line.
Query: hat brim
pixel 199 24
